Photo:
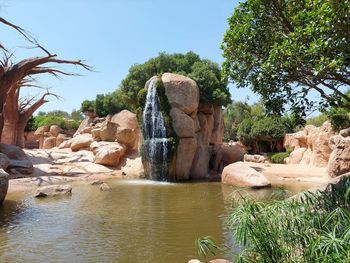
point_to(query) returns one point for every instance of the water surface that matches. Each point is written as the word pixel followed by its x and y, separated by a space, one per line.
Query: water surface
pixel 136 221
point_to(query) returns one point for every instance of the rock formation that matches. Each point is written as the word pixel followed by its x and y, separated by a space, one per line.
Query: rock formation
pixel 310 146
pixel 195 127
pixel 108 138
pixel 339 161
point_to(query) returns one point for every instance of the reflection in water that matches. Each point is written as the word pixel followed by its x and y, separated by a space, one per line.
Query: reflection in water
pixel 137 221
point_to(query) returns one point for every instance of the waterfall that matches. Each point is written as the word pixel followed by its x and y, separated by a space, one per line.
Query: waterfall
pixel 155 147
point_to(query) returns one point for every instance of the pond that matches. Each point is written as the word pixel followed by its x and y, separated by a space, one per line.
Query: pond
pixel 136 221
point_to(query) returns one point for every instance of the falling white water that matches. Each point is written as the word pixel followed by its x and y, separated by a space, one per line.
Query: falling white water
pixel 156 142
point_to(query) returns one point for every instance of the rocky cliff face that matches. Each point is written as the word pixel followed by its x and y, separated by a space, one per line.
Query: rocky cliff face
pixel 197 127
pixel 310 146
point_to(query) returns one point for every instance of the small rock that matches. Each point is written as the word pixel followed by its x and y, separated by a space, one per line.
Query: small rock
pixel 53 190
pixel 104 187
pixel 123 173
pixel 194 261
pixel 96 182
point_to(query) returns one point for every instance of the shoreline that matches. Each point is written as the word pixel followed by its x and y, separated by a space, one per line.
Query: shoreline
pixel 276 173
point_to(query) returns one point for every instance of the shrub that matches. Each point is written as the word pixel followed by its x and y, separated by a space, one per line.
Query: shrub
pixel 278 157
pixel 339 118
pixel 313 228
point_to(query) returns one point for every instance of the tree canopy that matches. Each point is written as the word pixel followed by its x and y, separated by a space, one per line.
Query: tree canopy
pixel 207 74
pixel 286 49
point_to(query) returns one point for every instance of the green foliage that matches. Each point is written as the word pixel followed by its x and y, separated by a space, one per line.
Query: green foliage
pixel 278 157
pixel 284 49
pixel 251 131
pixel 104 104
pixel 76 115
pixel 317 120
pixel 213 88
pixel 38 121
pixel 268 129
pixel 205 246
pixel 87 105
pixel 313 228
pixel 339 118
pixel 244 132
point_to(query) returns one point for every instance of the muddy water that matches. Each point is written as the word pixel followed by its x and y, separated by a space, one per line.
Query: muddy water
pixel 136 221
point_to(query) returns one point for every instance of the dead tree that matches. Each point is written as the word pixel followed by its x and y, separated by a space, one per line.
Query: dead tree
pixel 17 112
pixel 11 77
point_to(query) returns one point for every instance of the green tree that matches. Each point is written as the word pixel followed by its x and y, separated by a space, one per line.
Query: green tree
pixel 88 105
pixel 213 88
pixel 285 49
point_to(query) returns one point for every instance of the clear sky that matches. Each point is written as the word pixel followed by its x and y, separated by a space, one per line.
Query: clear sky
pixel 113 35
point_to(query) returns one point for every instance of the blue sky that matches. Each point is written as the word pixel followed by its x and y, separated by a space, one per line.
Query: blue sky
pixel 113 35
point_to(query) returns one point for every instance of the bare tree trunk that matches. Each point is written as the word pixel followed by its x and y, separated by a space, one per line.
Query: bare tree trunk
pixel 20 133
pixel 10 117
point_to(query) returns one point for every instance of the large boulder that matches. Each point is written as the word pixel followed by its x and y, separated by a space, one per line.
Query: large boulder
pixel 184 157
pixel 4 161
pixel 182 123
pixel 107 153
pixel 54 130
pixel 108 131
pixel 125 119
pixel 339 161
pixel 296 156
pixel 49 142
pixel 41 131
pixel 18 159
pixel 127 136
pixel 242 175
pixel 182 92
pixel 84 124
pixel 60 138
pixel 226 154
pixel 4 184
pixel 81 141
pixel 53 190
pixel 318 141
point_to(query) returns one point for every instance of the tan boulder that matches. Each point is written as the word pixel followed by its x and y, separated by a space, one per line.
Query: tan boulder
pixel 255 158
pixel 318 141
pixel 49 142
pixel 81 141
pixel 185 153
pixel 241 175
pixel 4 184
pixel 96 134
pixel 108 131
pixel 182 92
pixel 339 161
pixel 182 123
pixel 54 130
pixel 125 119
pixel 83 125
pixel 41 131
pixel 60 138
pixel 66 144
pixel 345 132
pixel 127 136
pixel 295 140
pixel 108 153
pixel 296 156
